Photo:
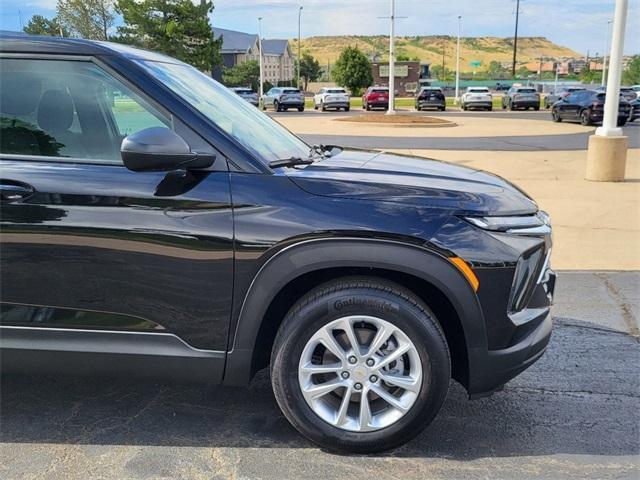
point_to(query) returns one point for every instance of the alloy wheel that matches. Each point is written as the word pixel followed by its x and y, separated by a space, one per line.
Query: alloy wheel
pixel 360 373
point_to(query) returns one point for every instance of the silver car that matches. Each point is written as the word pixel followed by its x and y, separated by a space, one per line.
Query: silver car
pixel 283 98
pixel 558 94
pixel 247 94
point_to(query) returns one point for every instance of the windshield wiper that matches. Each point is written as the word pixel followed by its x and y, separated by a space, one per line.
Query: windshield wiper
pixel 290 162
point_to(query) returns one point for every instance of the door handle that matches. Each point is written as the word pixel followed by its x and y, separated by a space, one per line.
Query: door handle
pixel 13 191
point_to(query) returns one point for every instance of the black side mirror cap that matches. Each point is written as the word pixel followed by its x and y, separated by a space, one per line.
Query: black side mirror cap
pixel 159 149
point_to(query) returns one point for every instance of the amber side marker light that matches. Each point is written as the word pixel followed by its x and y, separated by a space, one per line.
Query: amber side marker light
pixel 467 272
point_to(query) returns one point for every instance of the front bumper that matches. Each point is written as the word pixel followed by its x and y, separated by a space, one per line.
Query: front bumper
pixel 529 344
pixel 336 104
pixel 526 103
pixel 431 103
pixel 478 104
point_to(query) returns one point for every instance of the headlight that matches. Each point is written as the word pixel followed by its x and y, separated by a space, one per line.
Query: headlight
pixel 505 224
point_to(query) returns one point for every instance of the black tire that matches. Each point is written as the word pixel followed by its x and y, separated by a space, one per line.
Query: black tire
pixel 315 107
pixel 322 107
pixel 360 296
pixel 585 118
pixel 555 116
pixel 276 106
pixel 442 109
pixel 346 109
pixel 622 122
pixel 512 107
pixel 368 107
pixel 504 107
pixel 546 105
pixel 490 108
pixel 537 109
pixel 301 109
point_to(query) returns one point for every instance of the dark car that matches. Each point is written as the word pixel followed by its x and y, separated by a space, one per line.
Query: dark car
pixel 376 97
pixel 634 113
pixel 246 94
pixel 521 97
pixel 430 97
pixel 587 107
pixel 559 93
pixel 153 225
pixel 502 87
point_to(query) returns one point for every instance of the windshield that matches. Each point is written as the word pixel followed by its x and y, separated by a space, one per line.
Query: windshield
pixel 336 91
pixel 254 130
pixel 526 90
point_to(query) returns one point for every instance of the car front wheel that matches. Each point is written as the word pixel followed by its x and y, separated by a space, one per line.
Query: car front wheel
pixel 555 116
pixel 585 118
pixel 360 365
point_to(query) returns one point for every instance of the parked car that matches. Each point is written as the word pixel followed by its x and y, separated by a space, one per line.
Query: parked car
pixel 430 97
pixel 179 233
pixel 376 97
pixel 587 107
pixel 502 87
pixel 628 93
pixel 634 112
pixel 521 97
pixel 331 97
pixel 477 97
pixel 247 94
pixel 559 93
pixel 283 98
pixel 636 88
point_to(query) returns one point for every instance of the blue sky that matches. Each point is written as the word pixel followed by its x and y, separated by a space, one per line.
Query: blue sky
pixel 578 24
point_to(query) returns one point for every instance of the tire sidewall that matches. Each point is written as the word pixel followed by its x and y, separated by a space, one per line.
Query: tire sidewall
pixel 423 331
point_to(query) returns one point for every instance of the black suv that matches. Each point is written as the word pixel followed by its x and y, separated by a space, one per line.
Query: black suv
pixel 587 107
pixel 152 224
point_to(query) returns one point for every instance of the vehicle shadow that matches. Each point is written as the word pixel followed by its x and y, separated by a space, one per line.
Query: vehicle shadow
pixel 581 398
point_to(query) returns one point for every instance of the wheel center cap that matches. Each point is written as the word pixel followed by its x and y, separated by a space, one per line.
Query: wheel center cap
pixel 360 373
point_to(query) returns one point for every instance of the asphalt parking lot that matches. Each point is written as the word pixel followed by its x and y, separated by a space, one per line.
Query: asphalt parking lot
pixel 574 414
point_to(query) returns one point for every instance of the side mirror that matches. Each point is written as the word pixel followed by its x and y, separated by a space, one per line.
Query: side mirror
pixel 158 149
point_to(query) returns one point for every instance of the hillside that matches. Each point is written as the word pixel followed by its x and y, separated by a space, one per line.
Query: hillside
pixel 429 49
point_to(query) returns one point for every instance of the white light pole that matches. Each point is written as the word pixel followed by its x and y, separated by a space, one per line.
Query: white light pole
pixel 457 96
pixel 299 58
pixel 607 153
pixel 604 60
pixel 612 99
pixel 392 63
pixel 261 88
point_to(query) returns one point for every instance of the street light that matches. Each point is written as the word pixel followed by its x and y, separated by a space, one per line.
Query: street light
pixel 392 63
pixel 606 48
pixel 457 96
pixel 261 89
pixel 299 59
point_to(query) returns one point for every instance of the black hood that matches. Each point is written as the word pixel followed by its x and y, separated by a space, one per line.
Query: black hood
pixel 376 176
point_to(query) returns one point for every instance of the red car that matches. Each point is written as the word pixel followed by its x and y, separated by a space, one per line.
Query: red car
pixel 376 97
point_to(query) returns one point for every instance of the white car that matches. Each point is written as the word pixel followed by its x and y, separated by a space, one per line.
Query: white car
pixel 331 97
pixel 477 97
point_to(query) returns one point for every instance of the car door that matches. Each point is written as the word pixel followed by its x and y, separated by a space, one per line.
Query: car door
pixel 567 106
pixel 87 244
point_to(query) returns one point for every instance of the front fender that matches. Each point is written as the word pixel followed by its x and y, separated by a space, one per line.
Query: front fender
pixel 308 256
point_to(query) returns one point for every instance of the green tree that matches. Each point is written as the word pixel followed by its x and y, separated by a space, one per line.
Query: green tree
pixel 86 18
pixel 353 70
pixel 39 25
pixel 631 74
pixel 589 76
pixel 310 69
pixel 243 75
pixel 495 70
pixel 178 28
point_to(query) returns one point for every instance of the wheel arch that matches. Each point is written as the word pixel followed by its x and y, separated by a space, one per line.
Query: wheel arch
pixel 308 264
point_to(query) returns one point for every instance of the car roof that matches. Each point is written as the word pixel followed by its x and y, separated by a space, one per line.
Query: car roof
pixel 15 42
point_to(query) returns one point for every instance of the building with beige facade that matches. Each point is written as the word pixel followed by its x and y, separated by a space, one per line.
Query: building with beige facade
pixel 239 47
